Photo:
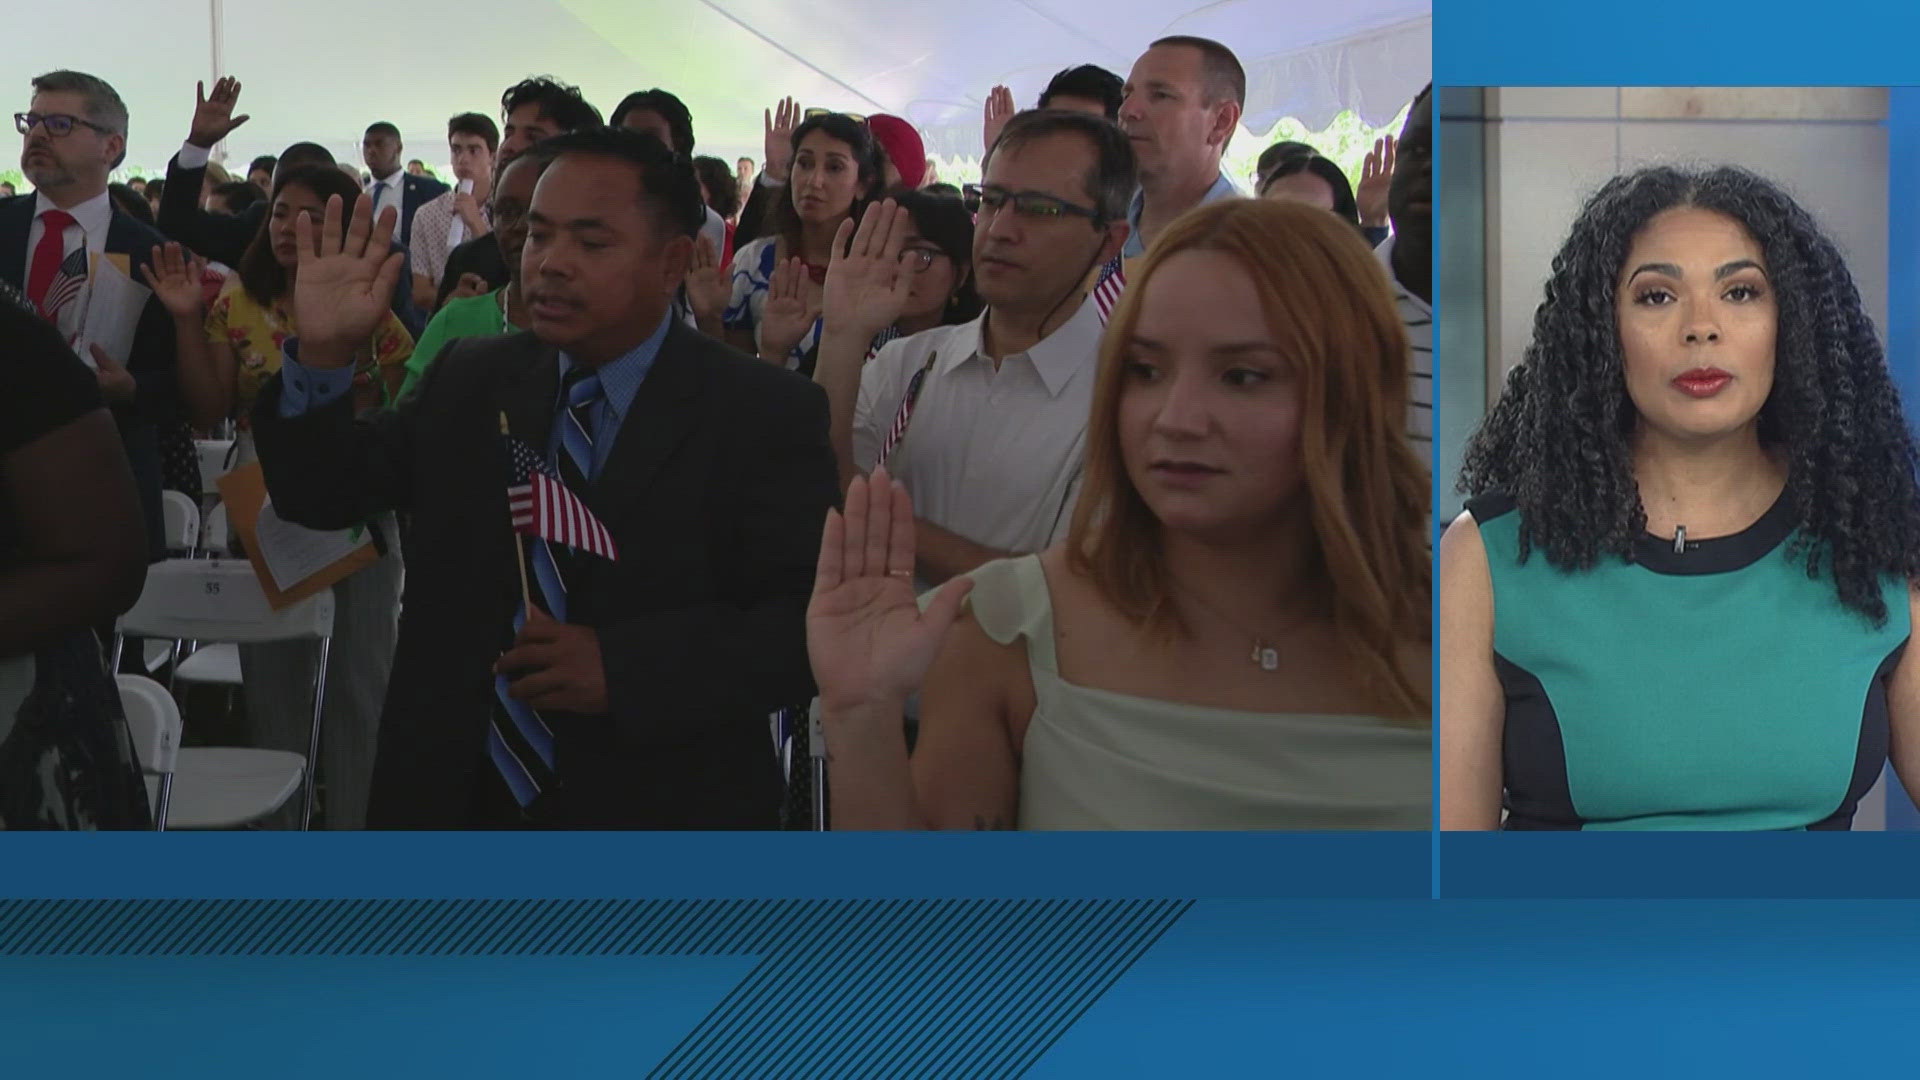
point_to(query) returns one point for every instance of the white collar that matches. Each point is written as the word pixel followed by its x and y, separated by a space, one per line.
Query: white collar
pixel 93 216
pixel 1072 345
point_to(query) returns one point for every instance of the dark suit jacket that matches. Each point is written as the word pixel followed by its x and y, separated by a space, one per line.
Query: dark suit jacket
pixel 416 192
pixel 224 238
pixel 716 492
pixel 153 363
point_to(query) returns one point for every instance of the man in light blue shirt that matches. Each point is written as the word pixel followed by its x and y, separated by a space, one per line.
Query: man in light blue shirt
pixel 1183 100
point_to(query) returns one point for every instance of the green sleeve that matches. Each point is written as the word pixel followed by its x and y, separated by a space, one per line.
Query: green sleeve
pixel 435 336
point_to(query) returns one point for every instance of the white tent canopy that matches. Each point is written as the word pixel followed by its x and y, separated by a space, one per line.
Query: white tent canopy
pixel 323 72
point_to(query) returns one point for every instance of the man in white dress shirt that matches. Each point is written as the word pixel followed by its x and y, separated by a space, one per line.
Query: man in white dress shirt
pixel 995 437
pixel 388 183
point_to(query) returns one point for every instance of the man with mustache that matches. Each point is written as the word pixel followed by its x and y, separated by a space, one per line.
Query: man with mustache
pixel 631 692
pixel 72 135
pixel 995 433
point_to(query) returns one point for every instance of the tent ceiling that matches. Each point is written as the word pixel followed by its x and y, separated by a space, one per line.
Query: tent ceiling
pixel 327 72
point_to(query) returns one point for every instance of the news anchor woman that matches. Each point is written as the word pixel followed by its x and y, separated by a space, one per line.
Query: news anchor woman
pixel 1681 593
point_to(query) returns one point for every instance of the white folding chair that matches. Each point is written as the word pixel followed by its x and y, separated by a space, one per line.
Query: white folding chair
pixel 201 787
pixel 213 534
pixel 216 600
pixel 213 462
pixel 182 517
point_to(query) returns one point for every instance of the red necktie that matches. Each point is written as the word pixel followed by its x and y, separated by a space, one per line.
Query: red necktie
pixel 47 256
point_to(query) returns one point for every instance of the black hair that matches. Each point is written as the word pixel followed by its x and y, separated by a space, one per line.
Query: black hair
pixel 381 127
pixel 667 183
pixel 723 187
pixel 1110 182
pixel 943 221
pixel 1311 162
pixel 556 100
pixel 478 125
pixel 305 153
pixel 667 107
pixel 1091 82
pixel 263 163
pixel 128 201
pixel 260 273
pixel 942 188
pixel 1557 441
pixel 239 194
pixel 785 220
pixel 1220 68
pixel 1271 156
pixel 156 187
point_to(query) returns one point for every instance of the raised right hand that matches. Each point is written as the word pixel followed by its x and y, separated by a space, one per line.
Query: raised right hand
pixel 176 280
pixel 866 288
pixel 999 110
pixel 709 285
pixel 470 284
pixel 779 146
pixel 867 639
pixel 213 117
pixel 345 282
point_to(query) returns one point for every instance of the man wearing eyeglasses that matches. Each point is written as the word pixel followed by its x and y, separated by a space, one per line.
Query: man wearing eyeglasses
pixel 985 422
pixel 55 243
pixel 1183 100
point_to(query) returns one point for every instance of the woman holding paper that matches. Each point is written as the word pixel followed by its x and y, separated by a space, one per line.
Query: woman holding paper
pixel 225 357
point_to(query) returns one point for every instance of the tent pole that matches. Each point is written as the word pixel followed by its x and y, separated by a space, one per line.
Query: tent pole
pixel 214 35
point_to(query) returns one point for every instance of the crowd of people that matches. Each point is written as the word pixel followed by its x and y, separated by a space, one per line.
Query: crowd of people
pixel 1092 495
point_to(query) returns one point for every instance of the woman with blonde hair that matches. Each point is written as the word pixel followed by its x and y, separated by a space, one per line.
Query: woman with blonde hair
pixel 1235 634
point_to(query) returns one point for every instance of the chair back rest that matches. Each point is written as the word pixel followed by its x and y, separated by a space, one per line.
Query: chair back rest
pixel 182 520
pixel 213 461
pixel 220 600
pixel 213 537
pixel 154 719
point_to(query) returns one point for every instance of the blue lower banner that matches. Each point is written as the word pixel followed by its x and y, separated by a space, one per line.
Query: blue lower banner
pixel 973 988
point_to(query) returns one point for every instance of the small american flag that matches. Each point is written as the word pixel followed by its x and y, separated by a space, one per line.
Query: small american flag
pixel 1106 292
pixel 543 506
pixel 900 419
pixel 67 284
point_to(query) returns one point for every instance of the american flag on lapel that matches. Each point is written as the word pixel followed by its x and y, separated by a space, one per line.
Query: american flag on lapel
pixel 1106 291
pixel 543 506
pixel 68 283
pixel 905 414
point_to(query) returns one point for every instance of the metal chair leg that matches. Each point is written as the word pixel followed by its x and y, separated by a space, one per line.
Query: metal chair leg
pixel 817 744
pixel 313 742
pixel 166 800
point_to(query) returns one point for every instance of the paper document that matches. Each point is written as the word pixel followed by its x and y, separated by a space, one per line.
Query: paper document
pixel 114 304
pixel 294 553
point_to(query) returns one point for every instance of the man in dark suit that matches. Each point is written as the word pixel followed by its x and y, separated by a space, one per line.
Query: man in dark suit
pixel 76 133
pixel 223 238
pixel 712 472
pixel 390 185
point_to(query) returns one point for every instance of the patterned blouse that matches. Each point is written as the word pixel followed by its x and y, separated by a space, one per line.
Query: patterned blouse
pixel 256 334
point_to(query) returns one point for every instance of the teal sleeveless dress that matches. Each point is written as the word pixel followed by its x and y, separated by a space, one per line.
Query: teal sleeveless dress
pixel 1713 688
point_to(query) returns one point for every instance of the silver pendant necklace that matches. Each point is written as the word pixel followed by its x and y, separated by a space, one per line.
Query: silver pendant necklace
pixel 1265 655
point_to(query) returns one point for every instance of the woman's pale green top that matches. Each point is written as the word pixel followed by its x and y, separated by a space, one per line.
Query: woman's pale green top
pixel 1095 759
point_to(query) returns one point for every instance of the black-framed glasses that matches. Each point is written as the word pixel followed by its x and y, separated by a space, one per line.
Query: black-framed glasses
pixel 918 259
pixel 58 124
pixel 1028 204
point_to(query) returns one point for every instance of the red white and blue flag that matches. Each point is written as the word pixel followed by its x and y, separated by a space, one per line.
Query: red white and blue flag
pixel 543 506
pixel 68 283
pixel 1106 291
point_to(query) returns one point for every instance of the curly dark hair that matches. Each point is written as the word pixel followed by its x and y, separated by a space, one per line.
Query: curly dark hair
pixel 1557 441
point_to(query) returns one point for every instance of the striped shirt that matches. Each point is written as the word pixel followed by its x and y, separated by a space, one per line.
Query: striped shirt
pixel 1416 315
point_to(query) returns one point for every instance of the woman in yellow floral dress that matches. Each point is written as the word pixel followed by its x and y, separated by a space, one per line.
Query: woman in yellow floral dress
pixel 226 355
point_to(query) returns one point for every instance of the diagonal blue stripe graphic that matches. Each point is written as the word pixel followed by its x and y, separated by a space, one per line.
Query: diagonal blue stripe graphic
pixel 842 987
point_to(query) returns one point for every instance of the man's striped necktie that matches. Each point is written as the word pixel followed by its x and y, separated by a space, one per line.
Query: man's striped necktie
pixel 519 740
